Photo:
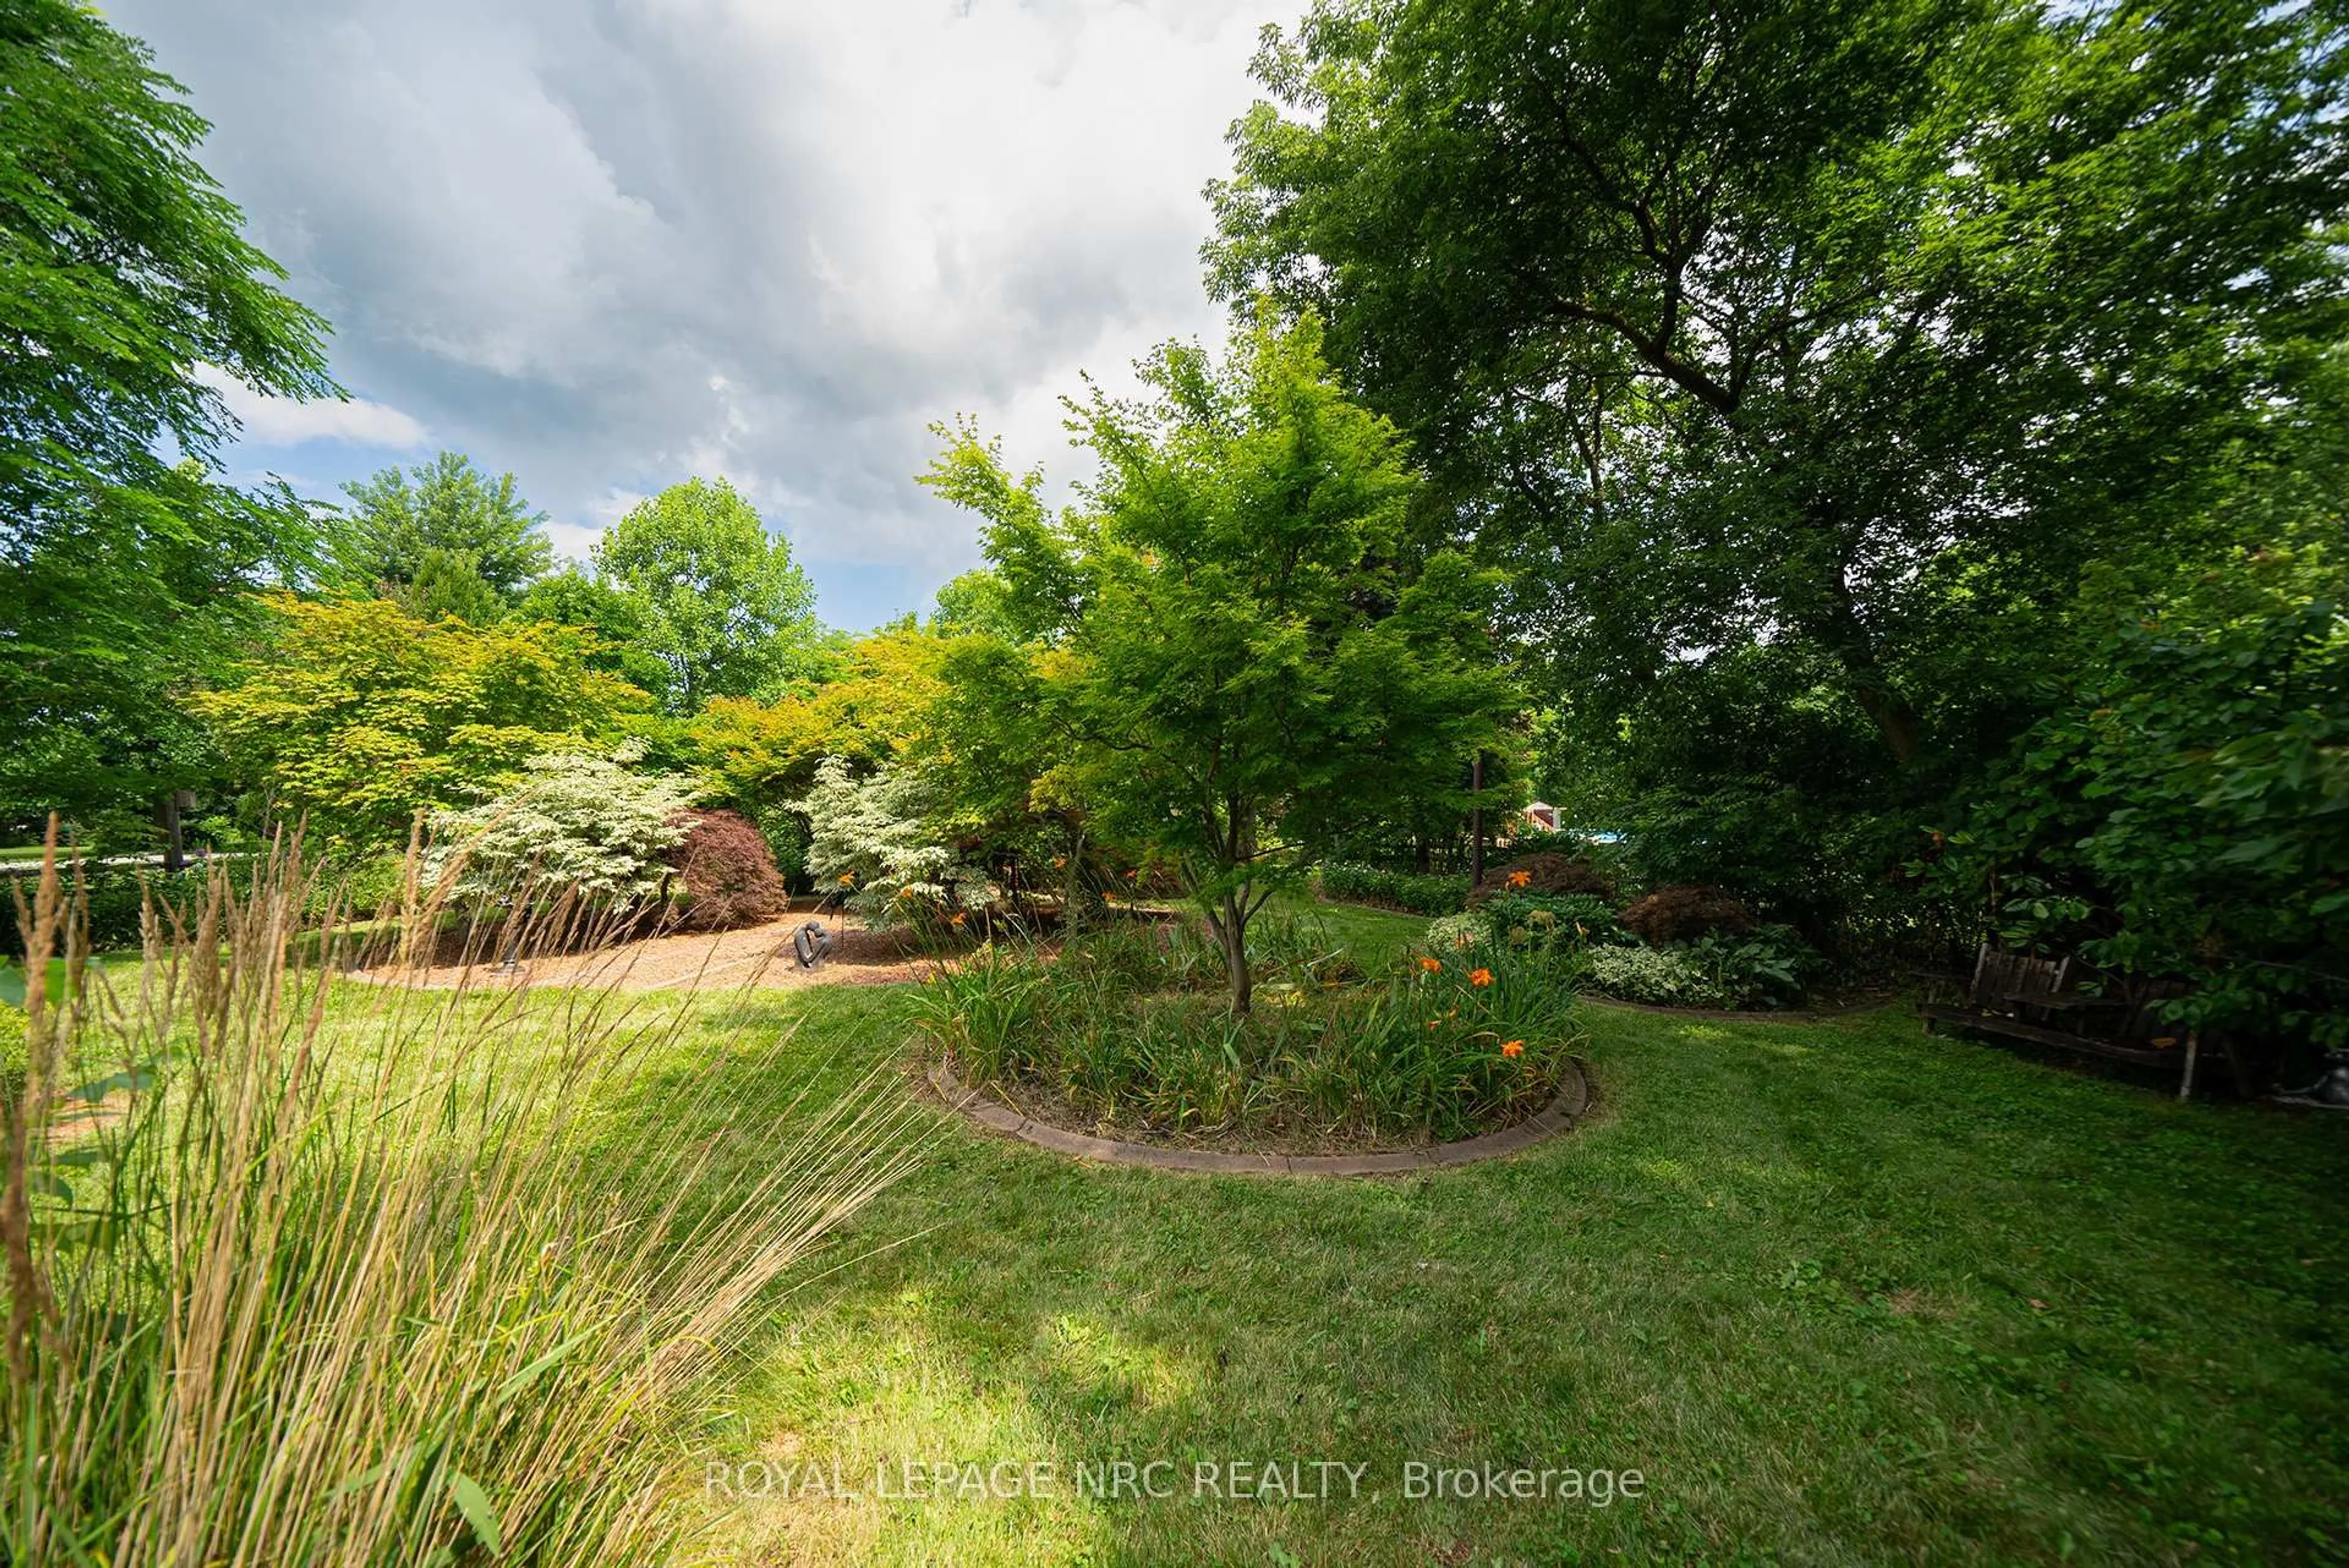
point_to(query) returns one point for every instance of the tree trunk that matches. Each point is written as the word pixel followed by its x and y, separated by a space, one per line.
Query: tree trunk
pixel 1231 929
pixel 1846 636
pixel 1895 719
pixel 1477 823
pixel 1072 879
pixel 166 816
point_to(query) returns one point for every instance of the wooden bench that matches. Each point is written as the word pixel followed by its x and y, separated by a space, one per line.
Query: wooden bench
pixel 2042 1000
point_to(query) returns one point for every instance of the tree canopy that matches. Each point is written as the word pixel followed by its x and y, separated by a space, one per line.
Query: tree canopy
pixel 440 538
pixel 358 717
pixel 724 608
pixel 1238 650
pixel 1837 324
pixel 127 295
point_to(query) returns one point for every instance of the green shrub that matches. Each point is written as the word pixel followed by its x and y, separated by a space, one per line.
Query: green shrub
pixel 14 1062
pixel 1458 933
pixel 2183 807
pixel 1543 874
pixel 1567 920
pixel 1769 966
pixel 115 893
pixel 1658 976
pixel 362 889
pixel 1415 892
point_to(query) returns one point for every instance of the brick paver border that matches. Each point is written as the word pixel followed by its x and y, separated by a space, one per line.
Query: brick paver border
pixel 1556 1117
pixel 1720 1015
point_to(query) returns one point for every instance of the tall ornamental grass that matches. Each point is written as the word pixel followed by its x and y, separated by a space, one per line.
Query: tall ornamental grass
pixel 305 1271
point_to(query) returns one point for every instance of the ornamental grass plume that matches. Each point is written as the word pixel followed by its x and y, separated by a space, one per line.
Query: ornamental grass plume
pixel 316 1272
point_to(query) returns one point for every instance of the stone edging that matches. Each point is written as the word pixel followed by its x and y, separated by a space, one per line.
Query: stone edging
pixel 1556 1117
pixel 1788 1016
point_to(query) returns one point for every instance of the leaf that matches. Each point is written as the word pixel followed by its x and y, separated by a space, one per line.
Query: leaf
pixel 539 1368
pixel 479 1510
pixel 369 1477
pixel 134 1079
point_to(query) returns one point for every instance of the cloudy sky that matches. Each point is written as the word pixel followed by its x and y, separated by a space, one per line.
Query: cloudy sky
pixel 608 245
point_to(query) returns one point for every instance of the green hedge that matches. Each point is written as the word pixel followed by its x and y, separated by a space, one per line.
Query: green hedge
pixel 118 894
pixel 1398 890
pixel 13 1060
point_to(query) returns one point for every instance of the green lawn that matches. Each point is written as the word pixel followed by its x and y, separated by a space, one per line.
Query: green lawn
pixel 1841 1294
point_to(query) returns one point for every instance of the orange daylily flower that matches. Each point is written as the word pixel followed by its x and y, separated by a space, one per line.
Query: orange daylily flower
pixel 960 916
pixel 1513 1048
pixel 1480 976
pixel 848 878
pixel 1433 966
pixel 1520 879
pixel 1059 861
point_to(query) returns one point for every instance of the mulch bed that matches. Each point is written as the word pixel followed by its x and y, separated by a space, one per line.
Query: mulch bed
pixel 756 956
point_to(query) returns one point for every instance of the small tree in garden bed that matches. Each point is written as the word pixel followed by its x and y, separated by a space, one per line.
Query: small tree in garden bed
pixel 1125 1026
pixel 1685 914
pixel 728 872
pixel 1241 649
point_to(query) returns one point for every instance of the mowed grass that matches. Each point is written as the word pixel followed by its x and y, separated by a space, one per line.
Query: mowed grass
pixel 1841 1294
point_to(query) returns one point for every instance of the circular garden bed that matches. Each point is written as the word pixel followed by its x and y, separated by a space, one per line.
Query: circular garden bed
pixel 1124 1041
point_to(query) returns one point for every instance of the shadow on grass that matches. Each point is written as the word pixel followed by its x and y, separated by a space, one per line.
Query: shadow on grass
pixel 1840 1294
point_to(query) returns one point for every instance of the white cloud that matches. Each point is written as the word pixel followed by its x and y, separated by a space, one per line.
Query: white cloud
pixel 608 246
pixel 572 540
pixel 289 422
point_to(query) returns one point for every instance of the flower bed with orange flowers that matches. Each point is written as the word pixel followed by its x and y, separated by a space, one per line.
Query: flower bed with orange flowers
pixel 1129 1033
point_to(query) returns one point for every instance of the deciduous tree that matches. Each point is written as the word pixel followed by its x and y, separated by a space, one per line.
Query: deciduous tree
pixel 419 536
pixel 123 276
pixel 1847 325
pixel 1237 647
pixel 725 608
pixel 357 717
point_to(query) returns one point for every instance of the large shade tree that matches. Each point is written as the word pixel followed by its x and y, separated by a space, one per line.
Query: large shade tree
pixel 722 605
pixel 127 293
pixel 1238 648
pixel 1845 328
pixel 440 538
